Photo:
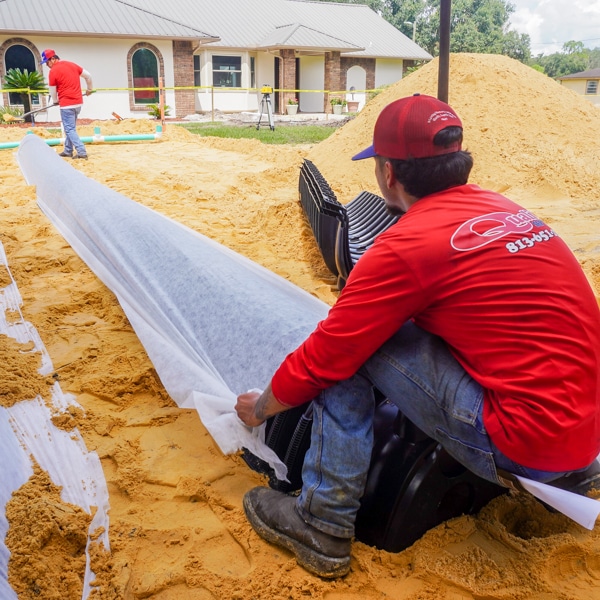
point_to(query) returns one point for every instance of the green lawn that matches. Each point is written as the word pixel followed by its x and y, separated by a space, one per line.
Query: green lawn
pixel 282 134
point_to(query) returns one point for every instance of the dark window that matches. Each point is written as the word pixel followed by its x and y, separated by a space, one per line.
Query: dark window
pixel 591 86
pixel 197 80
pixel 144 67
pixel 252 72
pixel 20 57
pixel 227 71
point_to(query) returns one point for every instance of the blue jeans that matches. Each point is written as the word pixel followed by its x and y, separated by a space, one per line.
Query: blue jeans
pixel 68 116
pixel 415 371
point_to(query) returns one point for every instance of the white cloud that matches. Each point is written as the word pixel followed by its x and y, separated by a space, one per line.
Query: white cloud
pixel 551 23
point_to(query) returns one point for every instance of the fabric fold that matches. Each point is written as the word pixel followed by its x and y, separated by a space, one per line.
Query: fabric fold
pixel 213 323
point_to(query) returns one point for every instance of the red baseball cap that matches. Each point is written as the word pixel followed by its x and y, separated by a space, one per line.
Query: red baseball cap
pixel 406 128
pixel 47 55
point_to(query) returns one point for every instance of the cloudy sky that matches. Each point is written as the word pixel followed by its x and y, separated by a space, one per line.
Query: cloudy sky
pixel 551 23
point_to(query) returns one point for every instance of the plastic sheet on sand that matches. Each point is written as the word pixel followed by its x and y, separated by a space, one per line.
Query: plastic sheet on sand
pixel 213 323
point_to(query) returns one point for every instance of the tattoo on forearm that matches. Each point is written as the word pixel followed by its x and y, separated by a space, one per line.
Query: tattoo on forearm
pixel 260 408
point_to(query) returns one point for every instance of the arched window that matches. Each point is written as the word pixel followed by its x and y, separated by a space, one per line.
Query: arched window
pixel 144 68
pixel 21 57
pixel 356 79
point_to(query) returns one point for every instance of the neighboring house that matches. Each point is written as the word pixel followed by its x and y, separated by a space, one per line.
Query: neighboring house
pixel 208 54
pixel 585 83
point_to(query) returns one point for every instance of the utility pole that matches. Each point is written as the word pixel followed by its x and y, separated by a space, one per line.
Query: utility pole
pixel 414 28
pixel 444 64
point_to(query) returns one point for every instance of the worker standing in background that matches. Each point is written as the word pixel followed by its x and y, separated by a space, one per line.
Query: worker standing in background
pixel 65 90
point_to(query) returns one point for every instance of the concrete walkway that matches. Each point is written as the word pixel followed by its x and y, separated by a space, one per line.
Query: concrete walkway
pixel 253 116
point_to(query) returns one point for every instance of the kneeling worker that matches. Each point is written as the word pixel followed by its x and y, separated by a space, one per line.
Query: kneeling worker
pixel 470 314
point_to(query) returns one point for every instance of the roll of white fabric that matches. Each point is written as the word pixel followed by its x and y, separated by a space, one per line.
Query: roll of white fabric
pixel 213 323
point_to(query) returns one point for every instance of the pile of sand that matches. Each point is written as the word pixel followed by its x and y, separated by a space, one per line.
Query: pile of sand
pixel 532 139
pixel 177 528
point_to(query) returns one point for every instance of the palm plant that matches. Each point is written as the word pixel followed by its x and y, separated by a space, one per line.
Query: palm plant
pixel 154 110
pixel 26 83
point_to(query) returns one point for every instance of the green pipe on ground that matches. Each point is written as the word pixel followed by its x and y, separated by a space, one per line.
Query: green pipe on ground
pixel 96 138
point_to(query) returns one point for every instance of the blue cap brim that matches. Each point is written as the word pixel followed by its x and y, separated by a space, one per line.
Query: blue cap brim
pixel 366 153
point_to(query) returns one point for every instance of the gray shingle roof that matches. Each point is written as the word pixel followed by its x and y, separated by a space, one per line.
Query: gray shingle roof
pixel 591 74
pixel 360 25
pixel 300 37
pixel 109 18
pixel 239 23
pixel 352 29
pixel 245 24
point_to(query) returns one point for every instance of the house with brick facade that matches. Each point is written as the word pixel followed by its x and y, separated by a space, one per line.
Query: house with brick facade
pixel 207 55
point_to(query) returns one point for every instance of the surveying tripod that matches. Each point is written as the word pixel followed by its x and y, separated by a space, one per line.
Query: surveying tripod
pixel 266 105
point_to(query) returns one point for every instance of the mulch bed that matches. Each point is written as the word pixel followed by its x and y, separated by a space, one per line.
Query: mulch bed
pixel 46 125
pixel 51 124
pixel 57 124
pixel 230 119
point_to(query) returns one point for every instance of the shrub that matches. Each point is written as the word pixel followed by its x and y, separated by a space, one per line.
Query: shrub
pixel 154 110
pixel 25 83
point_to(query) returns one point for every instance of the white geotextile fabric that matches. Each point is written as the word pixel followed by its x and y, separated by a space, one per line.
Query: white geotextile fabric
pixel 27 434
pixel 213 323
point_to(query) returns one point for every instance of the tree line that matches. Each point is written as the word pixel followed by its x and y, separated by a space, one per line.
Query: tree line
pixel 479 26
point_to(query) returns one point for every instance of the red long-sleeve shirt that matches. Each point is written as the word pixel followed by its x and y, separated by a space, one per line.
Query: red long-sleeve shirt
pixel 508 297
pixel 65 76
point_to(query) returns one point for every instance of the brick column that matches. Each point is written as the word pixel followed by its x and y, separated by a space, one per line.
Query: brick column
pixel 183 65
pixel 287 77
pixel 368 64
pixel 370 68
pixel 333 80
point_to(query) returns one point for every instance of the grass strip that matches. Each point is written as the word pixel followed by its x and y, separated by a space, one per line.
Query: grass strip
pixel 282 134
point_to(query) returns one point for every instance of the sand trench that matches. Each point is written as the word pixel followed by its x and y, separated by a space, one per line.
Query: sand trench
pixel 177 529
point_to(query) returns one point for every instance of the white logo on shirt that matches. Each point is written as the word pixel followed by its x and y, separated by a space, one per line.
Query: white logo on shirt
pixel 485 229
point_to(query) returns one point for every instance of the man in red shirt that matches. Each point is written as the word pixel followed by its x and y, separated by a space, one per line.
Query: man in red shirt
pixel 470 314
pixel 65 90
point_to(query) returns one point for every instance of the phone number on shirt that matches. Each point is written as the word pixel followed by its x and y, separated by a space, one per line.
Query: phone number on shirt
pixel 529 242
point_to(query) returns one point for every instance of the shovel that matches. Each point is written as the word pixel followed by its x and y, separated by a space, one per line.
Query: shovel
pixel 11 118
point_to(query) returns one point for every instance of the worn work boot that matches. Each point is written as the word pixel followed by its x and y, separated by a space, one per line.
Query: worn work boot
pixel 274 517
pixel 66 154
pixel 83 156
